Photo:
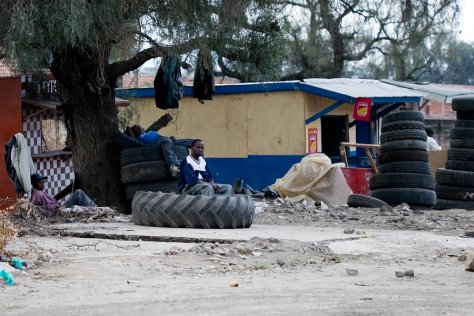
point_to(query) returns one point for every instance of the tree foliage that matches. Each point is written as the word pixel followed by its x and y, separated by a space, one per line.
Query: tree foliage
pixel 454 66
pixel 400 39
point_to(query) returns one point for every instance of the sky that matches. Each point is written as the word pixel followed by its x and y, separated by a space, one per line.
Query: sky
pixel 467 21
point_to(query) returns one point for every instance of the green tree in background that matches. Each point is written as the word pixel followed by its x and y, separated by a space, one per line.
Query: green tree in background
pixel 396 39
pixel 454 66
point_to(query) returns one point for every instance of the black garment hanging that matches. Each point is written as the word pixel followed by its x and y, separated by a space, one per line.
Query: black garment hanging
pixel 203 86
pixel 167 84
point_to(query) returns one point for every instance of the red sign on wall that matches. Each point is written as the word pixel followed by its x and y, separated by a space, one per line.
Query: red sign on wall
pixel 312 140
pixel 362 109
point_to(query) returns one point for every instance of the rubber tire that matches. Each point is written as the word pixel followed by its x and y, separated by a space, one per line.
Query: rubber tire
pixel 402 134
pixel 462 133
pixel 403 116
pixel 455 177
pixel 401 125
pixel 411 196
pixel 460 165
pixel 463 104
pixel 181 152
pixel 406 167
pixel 462 143
pixel 192 211
pixel 402 180
pixel 403 145
pixel 451 192
pixel 141 154
pixel 464 123
pixel 403 155
pixel 126 141
pixel 454 204
pixel 465 115
pixel 359 200
pixel 461 154
pixel 146 172
pixel 163 186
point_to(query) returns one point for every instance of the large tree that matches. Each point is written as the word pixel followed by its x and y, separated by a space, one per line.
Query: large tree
pixel 76 40
pixel 400 37
pixel 455 66
pixel 332 34
pixel 418 34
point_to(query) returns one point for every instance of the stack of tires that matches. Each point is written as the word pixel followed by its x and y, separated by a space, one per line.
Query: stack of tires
pixel 144 169
pixel 455 183
pixel 404 171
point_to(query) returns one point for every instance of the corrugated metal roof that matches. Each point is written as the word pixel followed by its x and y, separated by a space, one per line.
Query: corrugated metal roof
pixel 358 88
pixel 435 92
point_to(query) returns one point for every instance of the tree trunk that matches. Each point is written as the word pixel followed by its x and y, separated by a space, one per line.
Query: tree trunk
pixel 91 117
pixel 338 51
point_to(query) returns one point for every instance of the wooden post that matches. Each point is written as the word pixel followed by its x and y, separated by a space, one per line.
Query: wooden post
pixel 343 154
pixel 367 152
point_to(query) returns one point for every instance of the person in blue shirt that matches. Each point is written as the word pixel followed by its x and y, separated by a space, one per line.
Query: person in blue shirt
pixel 195 178
pixel 166 144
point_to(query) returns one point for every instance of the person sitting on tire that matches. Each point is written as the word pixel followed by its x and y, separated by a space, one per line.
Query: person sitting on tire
pixel 166 145
pixel 195 177
pixel 43 199
pixel 431 143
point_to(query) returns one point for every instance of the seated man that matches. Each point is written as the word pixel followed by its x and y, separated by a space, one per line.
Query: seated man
pixel 195 177
pixel 43 199
pixel 166 144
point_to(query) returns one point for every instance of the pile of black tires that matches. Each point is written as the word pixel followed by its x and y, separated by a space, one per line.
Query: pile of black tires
pixel 455 183
pixel 404 171
pixel 144 168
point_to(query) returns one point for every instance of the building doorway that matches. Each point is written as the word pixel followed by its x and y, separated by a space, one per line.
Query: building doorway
pixel 334 130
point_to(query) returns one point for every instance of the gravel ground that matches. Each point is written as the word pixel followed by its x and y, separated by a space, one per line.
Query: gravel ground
pixel 397 261
pixel 401 217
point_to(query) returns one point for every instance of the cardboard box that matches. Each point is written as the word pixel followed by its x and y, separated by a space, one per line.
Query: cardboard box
pixel 437 159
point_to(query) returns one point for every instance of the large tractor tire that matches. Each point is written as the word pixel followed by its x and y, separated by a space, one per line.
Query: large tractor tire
pixel 192 211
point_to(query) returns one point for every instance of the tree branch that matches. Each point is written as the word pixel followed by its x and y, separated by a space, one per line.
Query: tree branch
pixel 120 68
pixel 227 71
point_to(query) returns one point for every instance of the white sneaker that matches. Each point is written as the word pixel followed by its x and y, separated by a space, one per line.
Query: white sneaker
pixel 174 171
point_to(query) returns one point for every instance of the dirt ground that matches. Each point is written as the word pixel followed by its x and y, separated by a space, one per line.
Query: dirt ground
pixel 283 212
pixel 355 275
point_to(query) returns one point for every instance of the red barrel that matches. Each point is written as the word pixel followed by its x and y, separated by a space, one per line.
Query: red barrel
pixel 358 179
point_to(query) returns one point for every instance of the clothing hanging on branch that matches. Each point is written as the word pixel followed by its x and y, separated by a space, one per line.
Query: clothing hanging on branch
pixel 203 86
pixel 167 84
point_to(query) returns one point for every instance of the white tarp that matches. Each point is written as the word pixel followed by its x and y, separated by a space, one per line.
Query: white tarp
pixel 317 178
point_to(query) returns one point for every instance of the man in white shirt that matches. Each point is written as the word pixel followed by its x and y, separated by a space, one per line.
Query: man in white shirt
pixel 431 143
pixel 195 178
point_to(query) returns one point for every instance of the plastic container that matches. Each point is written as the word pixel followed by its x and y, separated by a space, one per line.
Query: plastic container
pixel 358 179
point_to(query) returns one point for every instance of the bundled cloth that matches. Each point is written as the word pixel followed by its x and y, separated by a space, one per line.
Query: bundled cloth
pixel 317 178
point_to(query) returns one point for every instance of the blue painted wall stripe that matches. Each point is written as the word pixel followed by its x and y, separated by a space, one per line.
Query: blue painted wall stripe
pixel 323 92
pixel 264 88
pixel 324 112
pixel 220 89
pixel 257 171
